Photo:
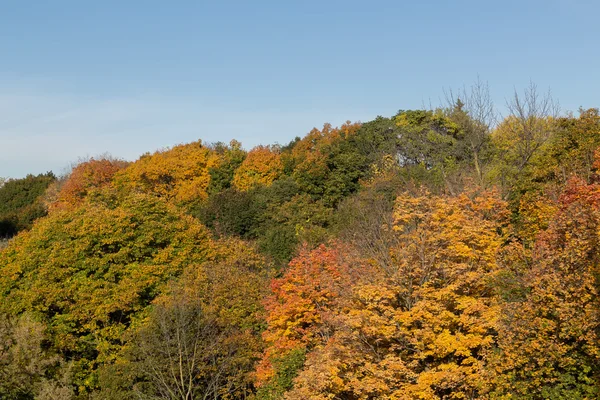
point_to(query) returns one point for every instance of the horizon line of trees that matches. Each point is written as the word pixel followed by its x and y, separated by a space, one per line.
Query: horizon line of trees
pixel 434 254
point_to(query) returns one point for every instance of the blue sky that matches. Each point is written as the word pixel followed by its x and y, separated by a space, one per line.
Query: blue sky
pixel 81 78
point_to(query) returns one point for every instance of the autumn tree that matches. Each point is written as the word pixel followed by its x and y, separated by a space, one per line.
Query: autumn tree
pixel 327 164
pixel 209 319
pixel 548 336
pixel 423 328
pixel 261 167
pixel 89 272
pixel 300 309
pixel 179 174
pixel 85 177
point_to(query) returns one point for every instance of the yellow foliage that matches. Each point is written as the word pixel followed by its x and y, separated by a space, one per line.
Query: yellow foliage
pixel 261 167
pixel 179 174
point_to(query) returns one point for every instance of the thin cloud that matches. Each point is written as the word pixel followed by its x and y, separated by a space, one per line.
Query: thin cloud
pixel 47 131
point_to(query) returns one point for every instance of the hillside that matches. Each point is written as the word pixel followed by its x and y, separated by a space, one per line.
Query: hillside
pixel 432 254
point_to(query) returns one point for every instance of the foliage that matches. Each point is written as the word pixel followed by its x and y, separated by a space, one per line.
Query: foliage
pixel 300 307
pixel 21 202
pixel 575 143
pixel 90 271
pixel 84 178
pixel 230 158
pixel 25 363
pixel 435 254
pixel 180 174
pixel 232 213
pixel 422 328
pixel 431 141
pixel 261 166
pixel 548 346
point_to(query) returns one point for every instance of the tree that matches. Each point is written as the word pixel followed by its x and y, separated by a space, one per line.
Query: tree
pixel 262 166
pixel 232 213
pixel 25 363
pixel 21 202
pixel 84 178
pixel 530 113
pixel 365 220
pixel 473 110
pixel 201 337
pixel 522 141
pixel 423 327
pixel 230 158
pixel 548 337
pixel 90 272
pixel 180 174
pixel 184 353
pixel 575 143
pixel 430 144
pixel 299 310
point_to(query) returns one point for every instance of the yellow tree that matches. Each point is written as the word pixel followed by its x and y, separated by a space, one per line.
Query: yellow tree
pixel 261 166
pixel 423 329
pixel 91 271
pixel 180 174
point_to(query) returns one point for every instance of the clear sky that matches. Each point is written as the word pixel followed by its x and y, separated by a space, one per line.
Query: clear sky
pixel 81 78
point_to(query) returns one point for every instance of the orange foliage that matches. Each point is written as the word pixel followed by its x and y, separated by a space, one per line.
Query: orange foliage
pixel 308 154
pixel 316 140
pixel 549 340
pixel 84 178
pixel 300 309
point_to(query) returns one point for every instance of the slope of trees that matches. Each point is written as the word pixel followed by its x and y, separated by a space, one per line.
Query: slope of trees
pixel 432 254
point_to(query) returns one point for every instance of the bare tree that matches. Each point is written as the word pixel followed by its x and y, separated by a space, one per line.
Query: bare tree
pixel 533 115
pixel 473 109
pixel 185 354
pixel 24 362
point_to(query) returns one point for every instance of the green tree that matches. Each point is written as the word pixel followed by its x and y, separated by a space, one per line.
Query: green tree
pixel 90 272
pixel 21 202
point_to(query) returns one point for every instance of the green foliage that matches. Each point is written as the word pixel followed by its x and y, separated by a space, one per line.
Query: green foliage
pixel 21 202
pixel 91 271
pixel 232 213
pixel 287 368
pixel 221 175
pixel 430 139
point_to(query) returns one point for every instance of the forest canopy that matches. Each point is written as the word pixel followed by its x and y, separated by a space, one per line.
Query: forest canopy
pixel 444 253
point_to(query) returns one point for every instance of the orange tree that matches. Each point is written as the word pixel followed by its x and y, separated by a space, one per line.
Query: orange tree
pixel 300 311
pixel 84 178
